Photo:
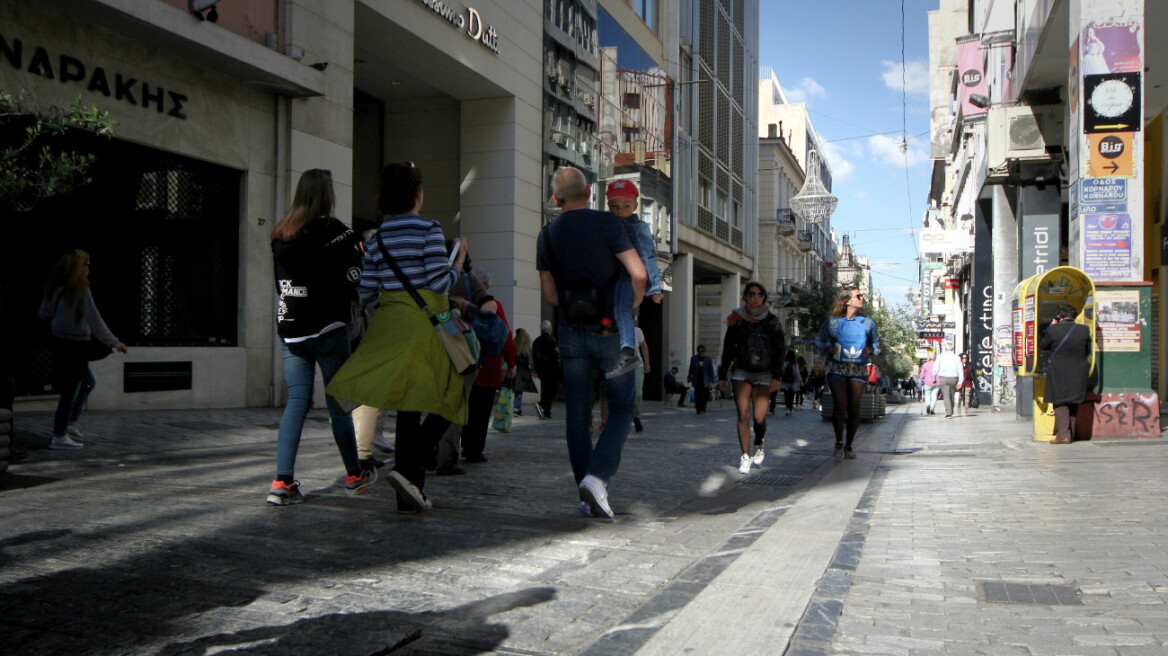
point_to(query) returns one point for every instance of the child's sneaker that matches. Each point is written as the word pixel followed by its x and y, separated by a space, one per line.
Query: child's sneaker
pixel 627 361
pixel 283 494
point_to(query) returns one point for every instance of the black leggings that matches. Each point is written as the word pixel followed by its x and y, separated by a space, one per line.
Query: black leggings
pixel 845 396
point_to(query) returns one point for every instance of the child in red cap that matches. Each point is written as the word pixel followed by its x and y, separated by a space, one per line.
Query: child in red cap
pixel 622 198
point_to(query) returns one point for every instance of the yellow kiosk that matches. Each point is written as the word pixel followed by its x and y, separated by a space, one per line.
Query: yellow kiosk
pixel 1036 300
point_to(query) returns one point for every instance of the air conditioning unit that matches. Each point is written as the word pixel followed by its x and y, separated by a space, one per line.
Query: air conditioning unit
pixel 1023 132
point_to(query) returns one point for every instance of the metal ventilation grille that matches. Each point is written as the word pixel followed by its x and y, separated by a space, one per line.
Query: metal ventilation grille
pixel 1024 132
pixel 706 111
pixel 705 220
pixel 739 70
pixel 739 7
pixel 736 237
pixel 722 230
pixel 737 143
pixel 724 63
pixel 156 376
pixel 706 33
pixel 723 119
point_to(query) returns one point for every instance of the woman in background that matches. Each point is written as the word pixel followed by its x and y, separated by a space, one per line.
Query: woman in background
pixel 74 320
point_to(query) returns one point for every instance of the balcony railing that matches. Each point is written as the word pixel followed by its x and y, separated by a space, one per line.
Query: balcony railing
pixel 805 240
pixel 786 221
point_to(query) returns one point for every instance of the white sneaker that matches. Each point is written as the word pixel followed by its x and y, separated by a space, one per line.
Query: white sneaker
pixel 744 464
pixel 73 431
pixel 595 494
pixel 63 442
pixel 759 454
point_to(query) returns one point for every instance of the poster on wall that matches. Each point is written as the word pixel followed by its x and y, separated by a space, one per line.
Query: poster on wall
pixel 1107 246
pixel 1117 320
pixel 1109 155
pixel 1111 47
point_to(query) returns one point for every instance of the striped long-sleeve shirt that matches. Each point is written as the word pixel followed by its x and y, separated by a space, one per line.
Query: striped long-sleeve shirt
pixel 418 247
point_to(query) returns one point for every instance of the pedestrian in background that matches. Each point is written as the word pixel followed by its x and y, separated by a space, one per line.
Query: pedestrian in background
pixel 579 256
pixel 752 357
pixel 965 389
pixel 317 263
pixel 1067 370
pixel 487 384
pixel 401 364
pixel 523 369
pixel 929 383
pixel 673 386
pixel 848 339
pixel 701 376
pixel 79 335
pixel 545 351
pixel 950 374
pixel 789 381
pixel 804 374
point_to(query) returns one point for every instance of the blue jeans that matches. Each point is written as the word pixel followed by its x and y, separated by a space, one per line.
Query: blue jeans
pixel 330 351
pixel 586 353
pixel 73 379
pixel 622 307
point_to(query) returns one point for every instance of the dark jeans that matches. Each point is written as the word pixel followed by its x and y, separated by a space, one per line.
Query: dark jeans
pixel 1065 421
pixel 415 443
pixel 478 419
pixel 549 384
pixel 789 399
pixel 73 380
pixel 330 351
pixel 701 397
pixel 586 353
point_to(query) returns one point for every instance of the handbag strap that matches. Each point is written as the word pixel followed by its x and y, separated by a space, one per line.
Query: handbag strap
pixel 405 281
pixel 1060 344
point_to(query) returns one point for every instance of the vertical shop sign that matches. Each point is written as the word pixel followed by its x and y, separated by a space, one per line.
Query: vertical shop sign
pixel 970 67
pixel 982 328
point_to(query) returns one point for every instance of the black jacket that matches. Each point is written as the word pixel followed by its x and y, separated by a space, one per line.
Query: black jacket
pixel 545 355
pixel 316 277
pixel 1067 372
pixel 734 347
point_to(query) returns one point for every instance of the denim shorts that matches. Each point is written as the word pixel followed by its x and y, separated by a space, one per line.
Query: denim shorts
pixel 756 378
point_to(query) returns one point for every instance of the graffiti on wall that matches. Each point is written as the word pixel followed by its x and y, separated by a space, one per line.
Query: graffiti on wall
pixel 1123 415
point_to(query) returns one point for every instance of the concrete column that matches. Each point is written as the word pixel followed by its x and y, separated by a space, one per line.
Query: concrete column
pixel 730 298
pixel 499 211
pixel 1005 248
pixel 681 312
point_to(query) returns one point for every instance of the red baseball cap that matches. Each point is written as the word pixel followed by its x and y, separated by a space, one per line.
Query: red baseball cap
pixel 622 189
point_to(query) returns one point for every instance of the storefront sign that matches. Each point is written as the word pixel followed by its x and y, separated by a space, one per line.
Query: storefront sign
pixel 936 326
pixel 1110 155
pixel 471 21
pixel 68 69
pixel 1117 317
pixel 1107 246
pixel 1112 103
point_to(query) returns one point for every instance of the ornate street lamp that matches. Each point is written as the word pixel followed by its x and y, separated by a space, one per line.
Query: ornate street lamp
pixel 814 203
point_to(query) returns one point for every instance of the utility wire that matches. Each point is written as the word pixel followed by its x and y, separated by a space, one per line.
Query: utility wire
pixel 904 132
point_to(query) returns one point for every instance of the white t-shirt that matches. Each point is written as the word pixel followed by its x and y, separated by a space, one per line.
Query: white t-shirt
pixel 639 336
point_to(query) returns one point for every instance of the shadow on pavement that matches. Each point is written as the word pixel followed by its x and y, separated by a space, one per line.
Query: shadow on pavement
pixel 462 630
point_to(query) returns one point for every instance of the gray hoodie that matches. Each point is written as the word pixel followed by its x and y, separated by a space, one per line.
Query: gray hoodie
pixel 76 322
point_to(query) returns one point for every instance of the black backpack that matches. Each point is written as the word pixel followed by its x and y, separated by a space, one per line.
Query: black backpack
pixel 788 373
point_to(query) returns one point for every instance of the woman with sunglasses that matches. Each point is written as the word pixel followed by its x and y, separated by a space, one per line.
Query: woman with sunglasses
pixel 752 354
pixel 848 339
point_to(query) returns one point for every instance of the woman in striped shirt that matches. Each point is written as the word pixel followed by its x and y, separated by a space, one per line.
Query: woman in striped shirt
pixel 400 364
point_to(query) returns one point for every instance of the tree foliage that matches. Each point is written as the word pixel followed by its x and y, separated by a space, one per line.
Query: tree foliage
pixel 32 166
pixel 898 340
pixel 812 307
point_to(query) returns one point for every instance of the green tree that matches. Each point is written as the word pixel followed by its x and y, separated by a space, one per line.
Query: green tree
pixel 898 340
pixel 812 307
pixel 32 166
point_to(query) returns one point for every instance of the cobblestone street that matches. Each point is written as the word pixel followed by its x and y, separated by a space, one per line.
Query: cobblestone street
pixel 155 539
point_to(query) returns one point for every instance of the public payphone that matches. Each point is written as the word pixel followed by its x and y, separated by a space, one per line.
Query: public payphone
pixel 1036 300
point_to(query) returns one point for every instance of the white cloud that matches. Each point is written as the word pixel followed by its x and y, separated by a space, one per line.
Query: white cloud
pixel 915 77
pixel 806 89
pixel 841 167
pixel 886 150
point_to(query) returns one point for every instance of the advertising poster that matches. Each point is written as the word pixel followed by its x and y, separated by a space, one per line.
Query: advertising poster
pixel 971 68
pixel 1117 320
pixel 1107 246
pixel 1028 323
pixel 1110 155
pixel 1110 47
pixel 1018 323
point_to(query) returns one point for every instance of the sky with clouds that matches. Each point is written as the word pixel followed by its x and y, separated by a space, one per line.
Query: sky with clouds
pixel 843 58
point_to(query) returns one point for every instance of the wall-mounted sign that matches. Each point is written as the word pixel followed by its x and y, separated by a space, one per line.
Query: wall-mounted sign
pixel 1110 155
pixel 1111 102
pixel 970 65
pixel 1095 191
pixel 68 69
pixel 471 21
pixel 1117 313
pixel 1107 249
pixel 935 326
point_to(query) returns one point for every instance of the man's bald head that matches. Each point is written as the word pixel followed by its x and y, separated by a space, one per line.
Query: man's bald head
pixel 570 188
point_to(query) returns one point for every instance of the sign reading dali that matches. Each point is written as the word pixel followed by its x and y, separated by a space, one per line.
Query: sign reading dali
pixel 471 21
